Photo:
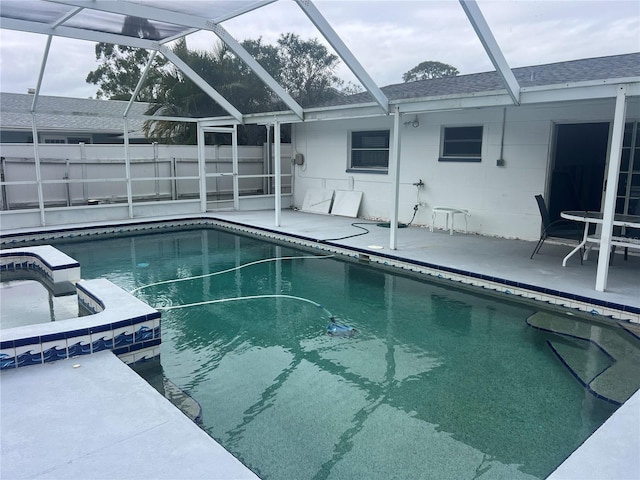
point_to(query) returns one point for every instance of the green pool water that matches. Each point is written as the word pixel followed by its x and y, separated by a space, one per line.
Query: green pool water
pixel 437 383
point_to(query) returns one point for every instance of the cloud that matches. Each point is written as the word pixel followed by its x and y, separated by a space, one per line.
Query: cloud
pixel 387 37
pixel 67 66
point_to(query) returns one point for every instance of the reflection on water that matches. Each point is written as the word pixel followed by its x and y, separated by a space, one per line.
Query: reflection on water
pixel 436 383
pixel 29 302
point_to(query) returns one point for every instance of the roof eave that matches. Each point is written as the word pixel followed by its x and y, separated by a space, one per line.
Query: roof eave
pixel 593 89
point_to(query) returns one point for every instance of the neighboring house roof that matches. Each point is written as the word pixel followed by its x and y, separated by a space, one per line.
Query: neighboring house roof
pixel 589 69
pixel 69 114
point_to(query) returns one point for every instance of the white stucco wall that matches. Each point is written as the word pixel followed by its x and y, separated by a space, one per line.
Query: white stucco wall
pixel 500 199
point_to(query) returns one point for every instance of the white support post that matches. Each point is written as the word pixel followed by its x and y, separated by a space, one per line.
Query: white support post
pixel 127 167
pixel 34 129
pixel 236 170
pixel 277 170
pixel 609 208
pixel 394 170
pixel 202 169
pixel 36 158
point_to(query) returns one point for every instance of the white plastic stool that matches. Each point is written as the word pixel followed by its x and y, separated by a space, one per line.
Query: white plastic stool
pixel 449 211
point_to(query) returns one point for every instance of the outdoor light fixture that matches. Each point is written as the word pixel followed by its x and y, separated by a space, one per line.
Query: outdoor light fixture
pixel 414 123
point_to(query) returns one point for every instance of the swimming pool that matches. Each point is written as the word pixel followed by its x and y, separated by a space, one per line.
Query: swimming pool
pixel 436 383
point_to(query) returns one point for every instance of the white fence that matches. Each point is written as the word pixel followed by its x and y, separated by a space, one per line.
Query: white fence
pixel 73 175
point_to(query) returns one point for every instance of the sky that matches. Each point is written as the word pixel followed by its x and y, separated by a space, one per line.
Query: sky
pixel 387 37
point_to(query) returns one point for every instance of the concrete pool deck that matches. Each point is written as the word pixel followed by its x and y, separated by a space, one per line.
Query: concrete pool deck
pixel 94 417
pixel 610 453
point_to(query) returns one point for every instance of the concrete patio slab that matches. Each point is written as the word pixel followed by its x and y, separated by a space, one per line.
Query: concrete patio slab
pixel 94 417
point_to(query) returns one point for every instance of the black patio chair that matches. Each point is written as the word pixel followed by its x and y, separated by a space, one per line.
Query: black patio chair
pixel 557 229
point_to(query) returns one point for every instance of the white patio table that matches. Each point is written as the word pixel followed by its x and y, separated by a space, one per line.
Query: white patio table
pixel 632 221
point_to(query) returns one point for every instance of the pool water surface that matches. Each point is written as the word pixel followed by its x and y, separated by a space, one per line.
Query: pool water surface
pixel 436 382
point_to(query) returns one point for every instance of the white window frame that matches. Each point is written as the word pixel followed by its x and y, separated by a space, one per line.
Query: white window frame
pixel 53 139
pixel 371 168
pixel 447 157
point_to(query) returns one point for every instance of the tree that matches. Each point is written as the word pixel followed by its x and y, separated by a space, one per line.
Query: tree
pixel 304 68
pixel 178 96
pixel 121 69
pixel 308 70
pixel 429 69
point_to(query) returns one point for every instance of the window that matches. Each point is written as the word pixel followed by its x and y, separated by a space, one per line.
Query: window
pixel 370 151
pixel 53 139
pixel 461 144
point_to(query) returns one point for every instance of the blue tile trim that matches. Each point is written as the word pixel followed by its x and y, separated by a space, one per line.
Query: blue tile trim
pixel 14 238
pixel 7 362
pixel 36 257
pixel 122 323
pixel 140 332
pixel 205 221
pixel 78 349
pixel 631 332
pixel 90 295
pixel 140 319
pixel 455 271
pixel 585 385
pixel 135 347
pixel 99 329
pixel 53 337
pixel 28 358
pixel 22 342
pixel 594 343
pixel 82 332
pixel 152 343
pixel 52 354
pixel 121 351
pixel 102 344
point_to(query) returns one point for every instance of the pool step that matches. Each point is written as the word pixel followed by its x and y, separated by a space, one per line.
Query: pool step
pixel 619 378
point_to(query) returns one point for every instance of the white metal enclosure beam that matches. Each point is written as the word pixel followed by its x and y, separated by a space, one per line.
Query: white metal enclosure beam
pixel 36 160
pixel 186 20
pixel 91 36
pixel 341 49
pixel 34 129
pixel 490 45
pixel 258 70
pixel 141 81
pixel 77 33
pixel 394 170
pixel 243 10
pixel 198 80
pixel 609 208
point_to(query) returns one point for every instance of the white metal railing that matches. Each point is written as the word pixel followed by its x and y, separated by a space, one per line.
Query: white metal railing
pixel 73 175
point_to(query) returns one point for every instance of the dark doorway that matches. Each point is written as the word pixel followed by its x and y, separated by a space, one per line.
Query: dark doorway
pixel 578 172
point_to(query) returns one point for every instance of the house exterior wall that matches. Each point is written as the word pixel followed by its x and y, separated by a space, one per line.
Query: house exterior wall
pixel 500 199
